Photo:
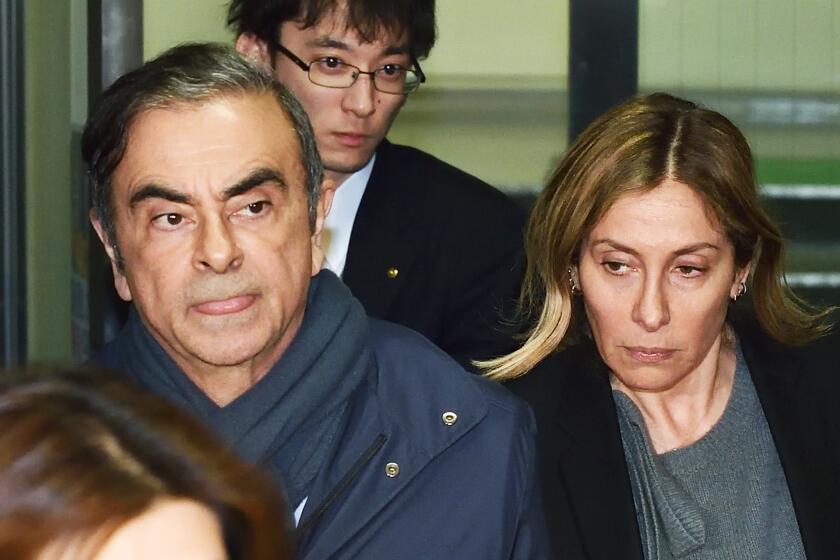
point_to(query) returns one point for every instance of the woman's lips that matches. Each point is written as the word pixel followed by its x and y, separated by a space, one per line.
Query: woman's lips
pixel 225 306
pixel 649 355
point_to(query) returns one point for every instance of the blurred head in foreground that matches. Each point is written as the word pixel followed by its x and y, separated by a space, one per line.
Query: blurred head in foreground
pixel 91 468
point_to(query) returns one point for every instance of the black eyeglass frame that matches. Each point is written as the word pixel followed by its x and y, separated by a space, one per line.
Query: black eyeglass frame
pixel 306 66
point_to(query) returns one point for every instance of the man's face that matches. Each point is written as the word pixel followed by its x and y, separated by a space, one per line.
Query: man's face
pixel 349 123
pixel 212 220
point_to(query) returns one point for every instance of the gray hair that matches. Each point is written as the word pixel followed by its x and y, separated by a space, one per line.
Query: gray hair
pixel 191 73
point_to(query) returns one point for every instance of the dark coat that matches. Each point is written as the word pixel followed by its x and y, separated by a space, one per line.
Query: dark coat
pixel 456 244
pixel 464 488
pixel 586 486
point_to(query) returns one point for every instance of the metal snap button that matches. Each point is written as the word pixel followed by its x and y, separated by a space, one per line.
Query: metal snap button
pixel 449 418
pixel 393 272
pixel 392 470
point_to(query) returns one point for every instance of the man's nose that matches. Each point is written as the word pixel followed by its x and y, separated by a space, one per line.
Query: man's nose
pixel 216 247
pixel 360 98
pixel 651 309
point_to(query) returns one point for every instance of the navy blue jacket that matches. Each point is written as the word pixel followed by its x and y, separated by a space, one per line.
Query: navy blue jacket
pixel 403 482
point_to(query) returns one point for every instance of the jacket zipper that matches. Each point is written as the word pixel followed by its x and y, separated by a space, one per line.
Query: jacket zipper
pixel 342 485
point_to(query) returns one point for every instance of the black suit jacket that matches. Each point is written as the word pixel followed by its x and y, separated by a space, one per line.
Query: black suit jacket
pixel 437 250
pixel 586 486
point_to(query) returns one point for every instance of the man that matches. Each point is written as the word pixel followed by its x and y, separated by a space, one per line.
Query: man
pixel 417 241
pixel 210 200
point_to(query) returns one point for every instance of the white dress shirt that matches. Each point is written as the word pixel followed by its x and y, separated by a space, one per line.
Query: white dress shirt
pixel 335 239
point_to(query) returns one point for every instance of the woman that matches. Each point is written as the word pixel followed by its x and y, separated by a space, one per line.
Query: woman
pixel 91 469
pixel 676 420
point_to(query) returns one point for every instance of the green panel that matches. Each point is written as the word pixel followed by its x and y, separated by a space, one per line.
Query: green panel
pixel 798 171
pixel 48 179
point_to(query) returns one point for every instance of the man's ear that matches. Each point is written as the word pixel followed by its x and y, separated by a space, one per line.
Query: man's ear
pixel 325 199
pixel 253 47
pixel 120 281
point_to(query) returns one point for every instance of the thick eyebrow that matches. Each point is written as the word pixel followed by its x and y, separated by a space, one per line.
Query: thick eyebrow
pixel 253 180
pixel 396 49
pixel 153 190
pixel 328 42
pixel 682 251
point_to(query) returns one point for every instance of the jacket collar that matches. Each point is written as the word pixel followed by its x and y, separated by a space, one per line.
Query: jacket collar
pixel 800 425
pixel 590 460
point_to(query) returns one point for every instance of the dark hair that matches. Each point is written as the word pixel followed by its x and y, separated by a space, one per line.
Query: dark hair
pixel 369 18
pixel 633 148
pixel 82 453
pixel 191 73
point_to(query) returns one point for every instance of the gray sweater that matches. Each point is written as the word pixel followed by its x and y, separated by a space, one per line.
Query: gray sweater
pixel 723 497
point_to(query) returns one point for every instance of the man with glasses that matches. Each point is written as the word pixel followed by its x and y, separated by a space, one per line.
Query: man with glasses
pixel 418 241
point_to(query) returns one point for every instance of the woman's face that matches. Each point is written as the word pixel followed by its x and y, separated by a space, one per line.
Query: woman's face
pixel 172 529
pixel 657 276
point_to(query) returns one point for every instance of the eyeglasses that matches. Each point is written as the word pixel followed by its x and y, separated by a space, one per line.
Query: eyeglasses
pixel 332 72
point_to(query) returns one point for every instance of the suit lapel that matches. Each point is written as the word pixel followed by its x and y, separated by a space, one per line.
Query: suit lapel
pixel 383 244
pixel 591 465
pixel 797 426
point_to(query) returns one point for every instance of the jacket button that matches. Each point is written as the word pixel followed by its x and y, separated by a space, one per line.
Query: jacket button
pixel 449 418
pixel 393 272
pixel 392 470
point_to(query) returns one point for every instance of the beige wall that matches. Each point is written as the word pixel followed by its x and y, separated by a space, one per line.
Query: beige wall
pixel 775 45
pixel 167 23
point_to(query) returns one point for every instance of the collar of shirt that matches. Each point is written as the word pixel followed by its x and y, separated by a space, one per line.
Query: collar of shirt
pixel 335 239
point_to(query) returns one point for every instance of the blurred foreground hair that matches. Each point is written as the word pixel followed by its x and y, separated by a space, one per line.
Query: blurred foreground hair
pixel 81 454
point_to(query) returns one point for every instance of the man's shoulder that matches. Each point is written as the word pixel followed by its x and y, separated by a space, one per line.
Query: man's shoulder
pixel 428 180
pixel 415 377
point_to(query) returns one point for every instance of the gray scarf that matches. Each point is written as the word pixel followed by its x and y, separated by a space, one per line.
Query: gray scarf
pixel 287 421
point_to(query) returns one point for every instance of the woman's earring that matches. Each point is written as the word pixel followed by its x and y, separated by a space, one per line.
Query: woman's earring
pixel 742 289
pixel 573 281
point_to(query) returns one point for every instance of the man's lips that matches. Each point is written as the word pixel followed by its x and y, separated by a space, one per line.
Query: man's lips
pixel 225 306
pixel 649 355
pixel 351 139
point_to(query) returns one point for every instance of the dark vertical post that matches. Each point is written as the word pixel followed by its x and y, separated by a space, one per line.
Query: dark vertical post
pixel 115 46
pixel 12 240
pixel 603 58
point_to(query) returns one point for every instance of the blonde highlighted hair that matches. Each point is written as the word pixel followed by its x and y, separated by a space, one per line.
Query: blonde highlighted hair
pixel 632 149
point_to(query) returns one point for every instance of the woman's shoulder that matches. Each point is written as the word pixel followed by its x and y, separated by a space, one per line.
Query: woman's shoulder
pixel 817 362
pixel 567 370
